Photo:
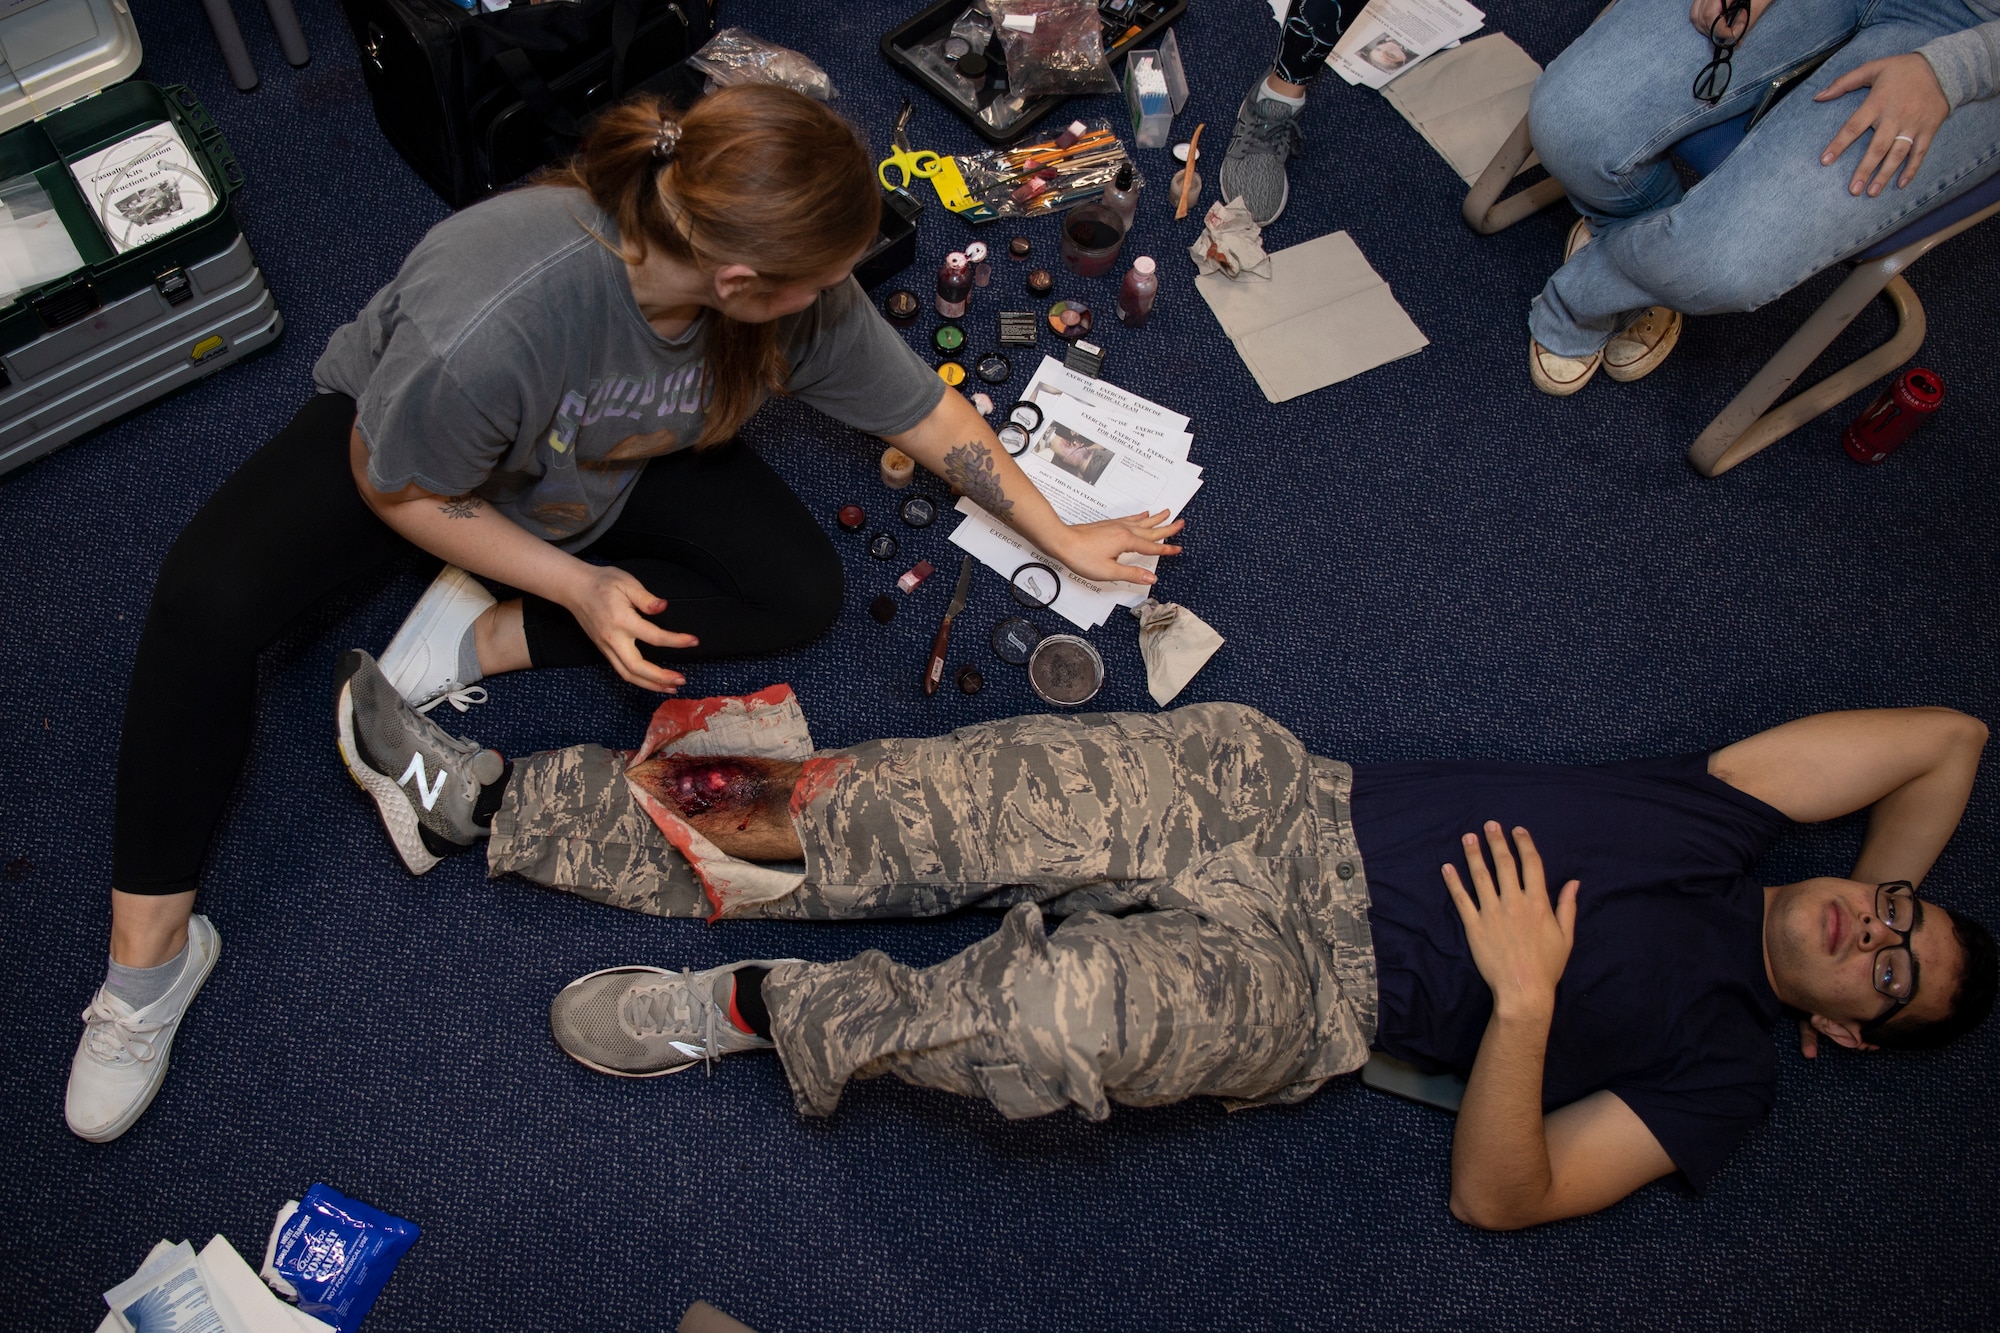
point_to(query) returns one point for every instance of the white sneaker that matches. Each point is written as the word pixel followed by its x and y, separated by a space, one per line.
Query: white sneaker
pixel 122 1059
pixel 422 660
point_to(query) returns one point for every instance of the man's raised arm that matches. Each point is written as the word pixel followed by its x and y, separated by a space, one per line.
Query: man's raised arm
pixel 1913 765
pixel 1511 1166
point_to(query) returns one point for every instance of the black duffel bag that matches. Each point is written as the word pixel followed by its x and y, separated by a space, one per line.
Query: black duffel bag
pixel 474 101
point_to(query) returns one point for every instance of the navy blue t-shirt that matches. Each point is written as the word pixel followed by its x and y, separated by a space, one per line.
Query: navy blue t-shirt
pixel 1664 1000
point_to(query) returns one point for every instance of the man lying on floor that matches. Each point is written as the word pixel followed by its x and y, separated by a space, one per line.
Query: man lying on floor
pixel 1245 919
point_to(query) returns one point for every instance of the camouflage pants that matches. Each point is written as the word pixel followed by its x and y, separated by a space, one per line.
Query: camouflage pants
pixel 1239 965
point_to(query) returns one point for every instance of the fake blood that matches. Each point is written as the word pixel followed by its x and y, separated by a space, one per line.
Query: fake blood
pixel 698 787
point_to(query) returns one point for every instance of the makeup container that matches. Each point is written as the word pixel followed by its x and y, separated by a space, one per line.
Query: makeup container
pixel 1091 236
pixel 898 469
pixel 954 285
pixel 1065 670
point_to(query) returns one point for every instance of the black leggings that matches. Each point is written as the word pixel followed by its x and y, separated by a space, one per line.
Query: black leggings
pixel 741 562
pixel 1311 29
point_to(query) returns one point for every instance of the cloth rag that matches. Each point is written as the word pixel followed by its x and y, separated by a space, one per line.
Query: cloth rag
pixel 1231 243
pixel 1176 643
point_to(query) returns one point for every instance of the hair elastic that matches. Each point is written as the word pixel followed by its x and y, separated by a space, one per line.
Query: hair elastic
pixel 666 141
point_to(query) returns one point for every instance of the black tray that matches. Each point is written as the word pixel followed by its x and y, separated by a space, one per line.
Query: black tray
pixel 900 45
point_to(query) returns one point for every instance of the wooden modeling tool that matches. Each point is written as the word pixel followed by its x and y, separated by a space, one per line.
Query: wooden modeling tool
pixel 1187 176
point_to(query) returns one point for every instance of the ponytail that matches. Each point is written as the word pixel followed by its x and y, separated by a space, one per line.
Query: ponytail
pixel 753 174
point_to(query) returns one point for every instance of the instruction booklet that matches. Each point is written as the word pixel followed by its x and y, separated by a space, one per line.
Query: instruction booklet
pixel 1100 452
pixel 144 186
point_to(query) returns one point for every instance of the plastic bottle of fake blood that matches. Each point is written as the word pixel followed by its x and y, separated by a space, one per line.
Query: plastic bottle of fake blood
pixel 1135 297
pixel 954 285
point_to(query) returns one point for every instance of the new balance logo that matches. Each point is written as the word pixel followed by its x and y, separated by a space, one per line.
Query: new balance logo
pixel 428 790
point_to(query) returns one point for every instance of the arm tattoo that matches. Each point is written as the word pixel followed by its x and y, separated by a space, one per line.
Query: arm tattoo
pixel 969 468
pixel 463 506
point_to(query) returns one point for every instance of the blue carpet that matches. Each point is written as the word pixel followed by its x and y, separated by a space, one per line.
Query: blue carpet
pixel 1431 559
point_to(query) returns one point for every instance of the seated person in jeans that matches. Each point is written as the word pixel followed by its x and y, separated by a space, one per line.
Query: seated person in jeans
pixel 1902 117
pixel 1245 919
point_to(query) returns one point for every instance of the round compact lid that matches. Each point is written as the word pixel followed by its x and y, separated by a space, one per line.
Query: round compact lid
pixel 882 546
pixel 1026 415
pixel 995 368
pixel 1035 585
pixel 919 512
pixel 883 608
pixel 1014 640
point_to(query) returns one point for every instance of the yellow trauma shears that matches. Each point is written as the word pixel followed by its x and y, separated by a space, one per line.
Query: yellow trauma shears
pixel 942 172
pixel 925 164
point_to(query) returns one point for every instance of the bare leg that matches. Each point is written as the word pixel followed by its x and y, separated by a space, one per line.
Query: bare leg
pixel 1913 765
pixel 501 639
pixel 148 929
pixel 742 805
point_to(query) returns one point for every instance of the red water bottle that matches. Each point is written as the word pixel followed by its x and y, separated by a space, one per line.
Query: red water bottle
pixel 1900 409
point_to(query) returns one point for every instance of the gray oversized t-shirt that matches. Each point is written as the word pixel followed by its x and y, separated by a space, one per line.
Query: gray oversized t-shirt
pixel 508 359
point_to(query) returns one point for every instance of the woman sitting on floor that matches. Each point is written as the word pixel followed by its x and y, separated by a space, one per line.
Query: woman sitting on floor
pixel 545 395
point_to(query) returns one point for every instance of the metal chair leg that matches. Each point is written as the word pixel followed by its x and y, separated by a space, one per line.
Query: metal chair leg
pixel 1484 211
pixel 291 38
pixel 1745 427
pixel 229 37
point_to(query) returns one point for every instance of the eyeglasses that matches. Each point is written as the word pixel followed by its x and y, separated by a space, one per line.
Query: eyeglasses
pixel 1713 81
pixel 1895 966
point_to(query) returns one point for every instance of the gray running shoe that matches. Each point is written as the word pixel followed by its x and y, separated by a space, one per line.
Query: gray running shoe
pixel 425 782
pixel 1267 134
pixel 641 1022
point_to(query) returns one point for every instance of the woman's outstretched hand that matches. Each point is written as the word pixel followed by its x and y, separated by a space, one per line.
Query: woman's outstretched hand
pixel 1904 107
pixel 1092 549
pixel 612 607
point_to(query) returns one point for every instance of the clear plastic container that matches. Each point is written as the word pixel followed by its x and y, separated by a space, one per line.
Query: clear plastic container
pixel 1149 99
pixel 1121 196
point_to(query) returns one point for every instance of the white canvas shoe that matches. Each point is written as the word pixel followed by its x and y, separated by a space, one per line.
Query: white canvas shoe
pixel 122 1059
pixel 422 661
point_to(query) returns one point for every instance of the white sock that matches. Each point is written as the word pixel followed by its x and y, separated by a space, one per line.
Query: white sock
pixel 140 986
pixel 1267 92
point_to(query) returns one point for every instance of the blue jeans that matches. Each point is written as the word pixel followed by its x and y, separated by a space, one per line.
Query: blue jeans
pixel 1608 110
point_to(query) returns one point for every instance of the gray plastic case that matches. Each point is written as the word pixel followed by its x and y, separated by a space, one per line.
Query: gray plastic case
pixel 131 352
pixel 53 52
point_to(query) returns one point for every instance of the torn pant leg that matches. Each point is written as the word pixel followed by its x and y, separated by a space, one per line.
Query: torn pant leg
pixel 568 821
pixel 1144 1010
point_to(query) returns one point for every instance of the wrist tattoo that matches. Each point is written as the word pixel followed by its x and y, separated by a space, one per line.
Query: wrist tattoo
pixel 969 468
pixel 462 506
